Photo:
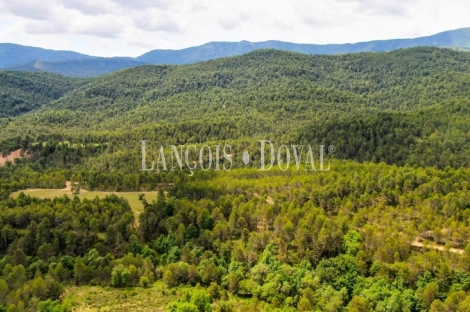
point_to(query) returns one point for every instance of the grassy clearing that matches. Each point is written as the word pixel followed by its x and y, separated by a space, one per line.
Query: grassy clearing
pixel 132 197
pixel 96 298
pixel 156 298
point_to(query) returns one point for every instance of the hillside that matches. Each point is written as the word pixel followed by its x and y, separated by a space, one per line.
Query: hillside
pixel 23 92
pixel 356 101
pixel 241 240
pixel 13 54
pixel 273 83
pixel 79 68
pixel 385 228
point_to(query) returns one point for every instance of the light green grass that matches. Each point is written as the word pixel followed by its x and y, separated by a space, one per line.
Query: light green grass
pixel 155 298
pixel 96 298
pixel 132 197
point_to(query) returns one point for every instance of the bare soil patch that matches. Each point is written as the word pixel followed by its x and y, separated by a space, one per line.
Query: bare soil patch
pixel 11 157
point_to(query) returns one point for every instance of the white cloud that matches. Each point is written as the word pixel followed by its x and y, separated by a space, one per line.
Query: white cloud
pixel 106 26
pixel 33 27
pixel 145 4
pixel 157 21
pixel 30 9
pixel 89 7
pixel 123 27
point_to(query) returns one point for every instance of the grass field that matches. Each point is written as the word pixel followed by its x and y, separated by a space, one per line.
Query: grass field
pixel 155 298
pixel 132 197
pixel 96 298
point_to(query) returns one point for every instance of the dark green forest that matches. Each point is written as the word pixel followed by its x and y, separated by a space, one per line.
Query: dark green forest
pixel 385 229
pixel 24 92
pixel 412 102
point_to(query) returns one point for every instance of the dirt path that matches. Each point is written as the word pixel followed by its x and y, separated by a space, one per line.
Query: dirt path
pixel 418 244
pixel 68 188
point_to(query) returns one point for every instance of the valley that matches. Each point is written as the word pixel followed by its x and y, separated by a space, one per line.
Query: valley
pixel 386 228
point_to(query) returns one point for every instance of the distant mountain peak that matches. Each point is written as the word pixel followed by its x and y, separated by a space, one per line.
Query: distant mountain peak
pixel 459 38
pixel 18 57
pixel 14 54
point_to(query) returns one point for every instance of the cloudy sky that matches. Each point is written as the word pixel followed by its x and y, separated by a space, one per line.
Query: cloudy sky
pixel 133 27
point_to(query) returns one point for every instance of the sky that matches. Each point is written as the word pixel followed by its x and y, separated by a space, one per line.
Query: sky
pixel 133 27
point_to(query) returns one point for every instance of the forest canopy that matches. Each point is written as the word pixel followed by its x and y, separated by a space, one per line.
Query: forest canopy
pixel 385 229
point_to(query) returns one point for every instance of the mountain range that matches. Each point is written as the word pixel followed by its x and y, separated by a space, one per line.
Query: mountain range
pixel 408 106
pixel 30 59
pixel 222 223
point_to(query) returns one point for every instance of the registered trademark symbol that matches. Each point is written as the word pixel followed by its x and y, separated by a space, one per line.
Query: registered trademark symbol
pixel 331 149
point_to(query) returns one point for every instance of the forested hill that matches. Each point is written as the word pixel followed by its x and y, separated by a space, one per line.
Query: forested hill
pixel 23 92
pixel 272 84
pixel 13 54
pixel 387 228
pixel 79 68
pixel 274 95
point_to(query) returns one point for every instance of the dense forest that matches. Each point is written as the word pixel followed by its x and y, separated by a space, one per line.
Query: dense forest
pixel 24 92
pixel 412 102
pixel 386 228
pixel 287 240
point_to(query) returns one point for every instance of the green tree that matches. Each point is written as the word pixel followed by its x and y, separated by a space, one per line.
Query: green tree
pixel 120 276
